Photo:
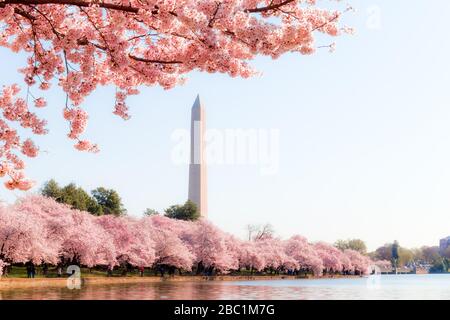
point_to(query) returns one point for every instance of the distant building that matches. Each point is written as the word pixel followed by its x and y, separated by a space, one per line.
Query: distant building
pixel 443 245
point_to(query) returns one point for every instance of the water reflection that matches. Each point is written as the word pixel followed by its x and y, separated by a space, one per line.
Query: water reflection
pixel 390 287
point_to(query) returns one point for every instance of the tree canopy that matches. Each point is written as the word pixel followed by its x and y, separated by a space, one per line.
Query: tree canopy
pixel 102 201
pixel 353 244
pixel 32 230
pixel 80 45
pixel 398 255
pixel 150 212
pixel 109 200
pixel 188 211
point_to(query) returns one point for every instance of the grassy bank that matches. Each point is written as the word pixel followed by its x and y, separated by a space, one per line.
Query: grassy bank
pixel 17 278
pixel 16 283
pixel 12 283
pixel 20 272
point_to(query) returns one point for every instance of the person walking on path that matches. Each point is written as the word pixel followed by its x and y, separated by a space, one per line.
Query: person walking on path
pixel 32 270
pixel 59 271
pixel 28 267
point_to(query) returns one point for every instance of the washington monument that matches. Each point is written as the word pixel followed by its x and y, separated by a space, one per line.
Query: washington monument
pixel 197 166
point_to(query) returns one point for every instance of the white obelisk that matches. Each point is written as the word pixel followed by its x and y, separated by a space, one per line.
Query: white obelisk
pixel 197 166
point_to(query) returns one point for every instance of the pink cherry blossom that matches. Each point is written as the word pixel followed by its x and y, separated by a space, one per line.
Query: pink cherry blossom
pixel 87 243
pixel 83 44
pixel 84 145
pixel 132 244
pixel 274 255
pixel 330 255
pixel 29 148
pixel 41 230
pixel 211 248
pixel 304 254
pixel 170 250
pixel 360 263
pixel 40 102
pixel 251 257
pixel 23 238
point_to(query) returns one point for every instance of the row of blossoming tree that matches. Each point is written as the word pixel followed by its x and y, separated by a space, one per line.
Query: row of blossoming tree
pixel 39 230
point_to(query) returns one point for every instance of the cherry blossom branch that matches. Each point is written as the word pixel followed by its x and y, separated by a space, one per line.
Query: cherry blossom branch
pixel 79 3
pixel 153 61
pixel 270 7
pixel 84 44
pixel 213 18
pixel 119 7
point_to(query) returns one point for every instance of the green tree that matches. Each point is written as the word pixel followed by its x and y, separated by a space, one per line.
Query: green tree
pixel 188 211
pixel 109 200
pixel 398 255
pixel 79 199
pixel 72 195
pixel 439 266
pixel 405 256
pixel 429 254
pixel 150 212
pixel 354 244
pixel 51 189
pixel 382 253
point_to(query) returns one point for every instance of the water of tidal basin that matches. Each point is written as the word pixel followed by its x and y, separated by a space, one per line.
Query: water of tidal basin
pixel 381 287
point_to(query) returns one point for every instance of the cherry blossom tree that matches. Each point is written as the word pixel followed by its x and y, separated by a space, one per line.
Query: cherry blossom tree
pixel 87 243
pixel 55 216
pixel 40 230
pixel 273 254
pixel 80 45
pixel 74 236
pixel 133 246
pixel 170 251
pixel 233 248
pixel 23 238
pixel 305 255
pixel 359 262
pixel 251 257
pixel 185 230
pixel 330 255
pixel 211 248
pixel 346 263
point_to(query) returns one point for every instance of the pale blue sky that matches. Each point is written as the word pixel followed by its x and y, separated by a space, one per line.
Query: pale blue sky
pixel 364 135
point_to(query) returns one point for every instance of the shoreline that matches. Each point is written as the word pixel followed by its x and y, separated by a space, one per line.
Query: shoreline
pixel 25 283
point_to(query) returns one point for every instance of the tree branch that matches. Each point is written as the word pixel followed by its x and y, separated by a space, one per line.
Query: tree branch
pixel 153 61
pixel 270 7
pixel 120 7
pixel 213 18
pixel 22 13
pixel 79 3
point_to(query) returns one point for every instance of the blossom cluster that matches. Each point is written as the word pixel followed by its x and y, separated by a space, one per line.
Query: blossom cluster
pixel 83 44
pixel 40 230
